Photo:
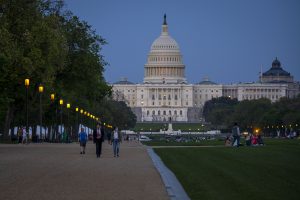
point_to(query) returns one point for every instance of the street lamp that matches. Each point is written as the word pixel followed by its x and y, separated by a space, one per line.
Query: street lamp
pixel 52 98
pixel 77 120
pixel 27 81
pixel 81 112
pixel 61 103
pixel 41 90
pixel 68 122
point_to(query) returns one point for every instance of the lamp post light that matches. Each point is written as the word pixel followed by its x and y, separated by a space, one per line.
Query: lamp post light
pixel 52 98
pixel 61 103
pixel 81 112
pixel 77 121
pixel 27 81
pixel 41 90
pixel 68 123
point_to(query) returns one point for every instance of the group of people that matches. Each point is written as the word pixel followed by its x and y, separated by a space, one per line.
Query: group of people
pixel 250 139
pixel 22 135
pixel 98 138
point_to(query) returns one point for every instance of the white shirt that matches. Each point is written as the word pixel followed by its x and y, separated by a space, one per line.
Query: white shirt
pixel 116 136
pixel 24 132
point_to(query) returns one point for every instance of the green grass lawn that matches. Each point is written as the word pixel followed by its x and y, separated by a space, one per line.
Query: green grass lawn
pixel 173 143
pixel 265 172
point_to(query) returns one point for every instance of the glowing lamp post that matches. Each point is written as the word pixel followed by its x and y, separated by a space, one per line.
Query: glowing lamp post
pixel 68 122
pixel 81 112
pixel 61 103
pixel 27 81
pixel 41 90
pixel 52 98
pixel 77 121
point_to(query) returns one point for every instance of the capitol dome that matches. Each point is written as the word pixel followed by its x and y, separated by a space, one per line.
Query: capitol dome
pixel 164 60
pixel 163 43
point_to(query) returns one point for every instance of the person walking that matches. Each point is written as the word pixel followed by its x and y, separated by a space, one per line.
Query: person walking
pixel 82 140
pixel 116 139
pixel 108 135
pixel 236 135
pixel 20 133
pixel 98 136
pixel 24 136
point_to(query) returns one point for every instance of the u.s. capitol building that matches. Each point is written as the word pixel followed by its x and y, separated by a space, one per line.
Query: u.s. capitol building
pixel 166 95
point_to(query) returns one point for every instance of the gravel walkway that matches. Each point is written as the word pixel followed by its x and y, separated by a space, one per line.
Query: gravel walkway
pixel 58 171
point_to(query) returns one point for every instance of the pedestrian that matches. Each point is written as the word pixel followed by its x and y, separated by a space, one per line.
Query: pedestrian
pixel 108 137
pixel 98 137
pixel 116 140
pixel 82 140
pixel 24 136
pixel 236 135
pixel 20 133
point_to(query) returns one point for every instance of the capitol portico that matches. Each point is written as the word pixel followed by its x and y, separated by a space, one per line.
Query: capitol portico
pixel 166 95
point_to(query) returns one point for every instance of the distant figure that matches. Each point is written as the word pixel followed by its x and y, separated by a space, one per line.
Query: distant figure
pixel 227 141
pixel 254 140
pixel 108 137
pixel 260 140
pixel 24 136
pixel 236 135
pixel 98 136
pixel 20 133
pixel 82 140
pixel 248 139
pixel 116 139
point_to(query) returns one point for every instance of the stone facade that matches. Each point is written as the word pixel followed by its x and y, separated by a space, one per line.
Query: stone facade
pixel 165 94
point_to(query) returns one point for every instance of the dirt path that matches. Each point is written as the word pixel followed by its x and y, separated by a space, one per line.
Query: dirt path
pixel 58 171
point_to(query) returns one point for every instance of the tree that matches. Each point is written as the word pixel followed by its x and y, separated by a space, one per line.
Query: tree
pixel 51 46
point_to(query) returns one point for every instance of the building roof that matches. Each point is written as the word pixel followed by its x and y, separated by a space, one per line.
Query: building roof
pixel 276 70
pixel 206 81
pixel 123 81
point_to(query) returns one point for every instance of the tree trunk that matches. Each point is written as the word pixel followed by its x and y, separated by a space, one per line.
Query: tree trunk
pixel 8 119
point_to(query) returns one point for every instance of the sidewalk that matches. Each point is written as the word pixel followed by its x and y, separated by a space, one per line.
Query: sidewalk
pixel 58 171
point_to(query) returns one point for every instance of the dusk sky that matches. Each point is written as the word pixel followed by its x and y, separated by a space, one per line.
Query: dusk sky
pixel 227 41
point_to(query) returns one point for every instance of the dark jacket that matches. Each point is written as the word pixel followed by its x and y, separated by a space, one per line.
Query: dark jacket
pixel 95 135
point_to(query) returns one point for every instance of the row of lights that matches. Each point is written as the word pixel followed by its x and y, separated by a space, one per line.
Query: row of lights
pixel 68 105
pixel 277 126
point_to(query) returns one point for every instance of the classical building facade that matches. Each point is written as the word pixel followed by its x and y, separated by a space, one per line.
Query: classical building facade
pixel 165 94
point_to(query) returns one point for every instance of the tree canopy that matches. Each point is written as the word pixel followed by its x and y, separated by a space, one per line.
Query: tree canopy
pixel 42 41
pixel 253 113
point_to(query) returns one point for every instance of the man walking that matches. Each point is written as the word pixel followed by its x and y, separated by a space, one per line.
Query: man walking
pixel 116 139
pixel 236 135
pixel 98 136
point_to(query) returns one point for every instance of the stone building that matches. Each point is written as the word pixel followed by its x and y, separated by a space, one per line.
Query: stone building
pixel 165 94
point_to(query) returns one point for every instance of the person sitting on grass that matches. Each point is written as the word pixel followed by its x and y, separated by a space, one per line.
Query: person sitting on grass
pixel 248 139
pixel 227 141
pixel 260 140
pixel 254 140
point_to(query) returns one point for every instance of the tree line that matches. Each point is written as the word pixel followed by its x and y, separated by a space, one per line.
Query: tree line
pixel 43 41
pixel 249 114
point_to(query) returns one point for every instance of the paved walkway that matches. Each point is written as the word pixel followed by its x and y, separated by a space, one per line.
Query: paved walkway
pixel 58 171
